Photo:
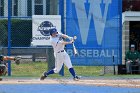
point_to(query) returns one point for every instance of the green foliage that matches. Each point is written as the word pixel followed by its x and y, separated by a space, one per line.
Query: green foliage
pixel 21 32
pixel 3 32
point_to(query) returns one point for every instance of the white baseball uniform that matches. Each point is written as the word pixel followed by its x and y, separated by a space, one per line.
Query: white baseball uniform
pixel 59 53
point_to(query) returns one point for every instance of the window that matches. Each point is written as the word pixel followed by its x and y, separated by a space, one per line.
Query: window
pixel 15 8
pixel 39 2
pixel 38 7
pixel 47 7
pixel 1 7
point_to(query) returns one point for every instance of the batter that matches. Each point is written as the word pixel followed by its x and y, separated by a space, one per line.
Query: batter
pixel 60 54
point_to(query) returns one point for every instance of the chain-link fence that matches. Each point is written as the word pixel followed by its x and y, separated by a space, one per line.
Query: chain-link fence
pixel 94 54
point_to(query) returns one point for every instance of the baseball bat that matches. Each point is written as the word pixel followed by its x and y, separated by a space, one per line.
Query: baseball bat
pixel 74 48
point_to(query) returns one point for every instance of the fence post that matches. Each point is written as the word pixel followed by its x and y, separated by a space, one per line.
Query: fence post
pixel 50 58
pixel 9 36
pixel 61 12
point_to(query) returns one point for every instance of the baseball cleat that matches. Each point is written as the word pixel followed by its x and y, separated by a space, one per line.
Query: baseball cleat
pixel 42 77
pixel 76 78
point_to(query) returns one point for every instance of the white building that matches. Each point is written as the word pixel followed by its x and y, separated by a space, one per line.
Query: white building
pixel 24 8
pixel 127 18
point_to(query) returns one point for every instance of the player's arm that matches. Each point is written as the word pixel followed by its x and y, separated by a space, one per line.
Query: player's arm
pixel 8 58
pixel 16 59
pixel 61 42
pixel 66 36
pixel 65 43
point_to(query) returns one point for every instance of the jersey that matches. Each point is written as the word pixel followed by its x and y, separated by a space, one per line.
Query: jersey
pixel 57 43
pixel 132 55
pixel 59 53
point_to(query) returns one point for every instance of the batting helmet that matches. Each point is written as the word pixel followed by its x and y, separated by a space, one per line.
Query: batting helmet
pixel 53 31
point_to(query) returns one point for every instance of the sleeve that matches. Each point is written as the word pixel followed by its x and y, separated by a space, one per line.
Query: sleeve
pixel 60 42
pixel 55 43
pixel 67 37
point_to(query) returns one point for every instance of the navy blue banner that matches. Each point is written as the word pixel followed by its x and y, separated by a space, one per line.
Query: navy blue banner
pixel 97 25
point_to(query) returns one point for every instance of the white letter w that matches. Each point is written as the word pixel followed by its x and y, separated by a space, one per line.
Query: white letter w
pixel 84 18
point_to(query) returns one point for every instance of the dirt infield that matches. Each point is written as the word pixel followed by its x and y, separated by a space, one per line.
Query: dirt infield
pixel 131 83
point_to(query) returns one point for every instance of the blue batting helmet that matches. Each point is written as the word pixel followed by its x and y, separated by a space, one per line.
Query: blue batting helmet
pixel 53 30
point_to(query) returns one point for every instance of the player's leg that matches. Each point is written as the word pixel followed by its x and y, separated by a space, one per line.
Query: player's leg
pixel 68 63
pixel 55 70
pixel 58 66
pixel 45 74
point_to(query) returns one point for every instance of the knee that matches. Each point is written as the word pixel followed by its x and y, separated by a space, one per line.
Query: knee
pixel 56 70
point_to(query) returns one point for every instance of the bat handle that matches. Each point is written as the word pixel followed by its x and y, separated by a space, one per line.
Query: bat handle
pixel 73 45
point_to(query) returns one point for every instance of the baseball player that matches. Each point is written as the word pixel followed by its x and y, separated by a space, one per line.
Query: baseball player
pixel 60 54
pixel 3 65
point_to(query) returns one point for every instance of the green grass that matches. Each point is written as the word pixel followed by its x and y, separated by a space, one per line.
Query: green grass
pixel 85 70
pixel 35 69
pixel 31 69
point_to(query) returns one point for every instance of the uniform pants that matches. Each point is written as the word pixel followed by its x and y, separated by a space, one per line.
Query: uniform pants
pixel 60 58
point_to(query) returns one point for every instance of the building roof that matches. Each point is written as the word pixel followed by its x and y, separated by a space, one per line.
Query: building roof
pixel 130 16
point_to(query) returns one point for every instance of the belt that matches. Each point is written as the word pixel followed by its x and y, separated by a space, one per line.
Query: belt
pixel 60 51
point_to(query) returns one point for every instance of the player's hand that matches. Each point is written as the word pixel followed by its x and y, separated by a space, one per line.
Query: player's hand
pixel 71 41
pixel 70 38
pixel 75 37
